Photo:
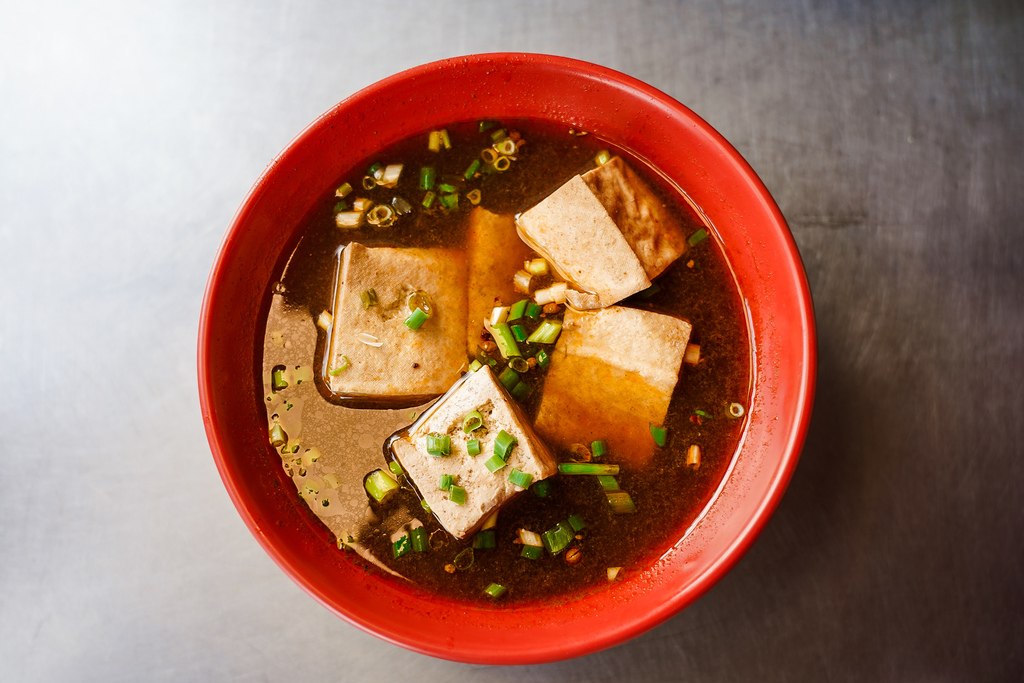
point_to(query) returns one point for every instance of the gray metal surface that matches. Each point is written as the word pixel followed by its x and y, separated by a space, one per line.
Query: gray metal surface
pixel 891 136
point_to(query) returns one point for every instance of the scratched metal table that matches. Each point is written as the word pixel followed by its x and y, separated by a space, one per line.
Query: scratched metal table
pixel 891 137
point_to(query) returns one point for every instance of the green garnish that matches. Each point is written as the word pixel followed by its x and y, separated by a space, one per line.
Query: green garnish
pixel 503 444
pixel 541 489
pixel 277 380
pixel 464 560
pixel 660 434
pixel 547 333
pixel 509 378
pixel 533 311
pixel 395 468
pixel 506 342
pixel 517 310
pixel 416 319
pixel 487 125
pixel 495 590
pixel 484 540
pixel 621 502
pixel 543 359
pixel 522 391
pixel 520 479
pixel 495 463
pixel 475 365
pixel 698 237
pixel 380 485
pixel 518 332
pixel 587 468
pixel 471 171
pixel 369 298
pixel 599 448
pixel 428 199
pixel 400 547
pixel 427 178
pixel 608 483
pixel 473 420
pixel 446 482
pixel 519 364
pixel 439 445
pixel 457 495
pixel 338 370
pixel 576 522
pixel 473 447
pixel 420 542
pixel 532 552
pixel 558 538
pixel 603 157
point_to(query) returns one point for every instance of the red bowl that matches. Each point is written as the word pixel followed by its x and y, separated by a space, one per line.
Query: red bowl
pixel 653 127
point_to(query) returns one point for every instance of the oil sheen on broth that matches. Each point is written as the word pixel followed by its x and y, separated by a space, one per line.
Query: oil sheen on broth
pixel 329 444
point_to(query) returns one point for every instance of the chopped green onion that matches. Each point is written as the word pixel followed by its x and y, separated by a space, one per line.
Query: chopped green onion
pixel 348 219
pixel 447 188
pixel 338 370
pixel 401 206
pixel 427 174
pixel 277 436
pixel 495 590
pixel 369 183
pixel 396 468
pixel 380 485
pixel 495 463
pixel 519 364
pixel 520 479
pixel 450 201
pixel 506 146
pixel 521 281
pixel 499 314
pixel 343 190
pixel 428 199
pixel 418 536
pixel 599 448
pixel 446 482
pixel 503 444
pixel 509 378
pixel 517 310
pixel 706 416
pixel 439 445
pixel 389 175
pixel 425 505
pixel 505 340
pixel 558 538
pixel 736 410
pixel 518 332
pixel 576 522
pixel 660 434
pixel 434 141
pixel 502 164
pixel 484 540
pixel 522 391
pixel 400 547
pixel 475 365
pixel 369 298
pixel 416 319
pixel 474 197
pixel 473 447
pixel 445 140
pixel 621 502
pixel 499 135
pixel 532 552
pixel 537 266
pixel 457 495
pixel 533 311
pixel 487 125
pixel 490 522
pixel 543 359
pixel 372 171
pixel 541 489
pixel 603 157
pixel 340 205
pixel 587 468
pixel 528 537
pixel 464 560
pixel 325 321
pixel 547 333
pixel 278 381
pixel 608 483
pixel 471 171
pixel 473 420
pixel 698 237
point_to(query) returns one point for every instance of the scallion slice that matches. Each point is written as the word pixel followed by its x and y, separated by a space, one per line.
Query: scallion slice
pixel 495 590
pixel 520 479
pixel 450 201
pixel 599 448
pixel 447 188
pixel 543 359
pixel 735 411
pixel 439 445
pixel 278 382
pixel 541 489
pixel 341 368
pixel 475 365
pixel 418 536
pixel 484 540
pixel 380 485
pixel 400 546
pixel 531 538
pixel 396 468
pixel 660 434
pixel 473 420
pixel 416 319
pixel 464 560
pixel 457 495
pixel 558 538
pixel 427 175
pixel 521 281
pixel 445 140
pixel 608 483
pixel 533 311
pixel 402 207
pixel 698 237
pixel 576 522
pixel 471 171
pixel 509 378
pixel 340 205
pixel 487 125
pixel 278 437
pixel 621 502
pixel 505 340
pixel 519 364
pixel 532 552
pixel 428 199
pixel 547 333
pixel 705 415
pixel 518 332
pixel 369 298
pixel 587 468
pixel 522 391
pixel 446 482
pixel 603 157
pixel 503 444
pixel 473 447
pixel 474 197
pixel 517 310
pixel 490 522
pixel 343 190
pixel 495 463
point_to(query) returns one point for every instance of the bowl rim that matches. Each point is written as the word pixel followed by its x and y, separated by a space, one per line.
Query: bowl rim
pixel 217 431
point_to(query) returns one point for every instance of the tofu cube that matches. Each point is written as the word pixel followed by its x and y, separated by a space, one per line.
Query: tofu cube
pixel 486 491
pixel 385 358
pixel 602 384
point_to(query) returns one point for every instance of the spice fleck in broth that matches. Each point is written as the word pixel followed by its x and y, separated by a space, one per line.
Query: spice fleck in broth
pixel 592 528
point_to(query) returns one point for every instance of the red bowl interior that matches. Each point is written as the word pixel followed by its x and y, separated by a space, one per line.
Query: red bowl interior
pixel 640 119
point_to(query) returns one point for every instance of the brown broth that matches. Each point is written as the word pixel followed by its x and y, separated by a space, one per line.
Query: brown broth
pixel 668 496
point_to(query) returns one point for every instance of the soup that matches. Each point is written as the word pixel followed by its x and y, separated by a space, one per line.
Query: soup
pixel 330 442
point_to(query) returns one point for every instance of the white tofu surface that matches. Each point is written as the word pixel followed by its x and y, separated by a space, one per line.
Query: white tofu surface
pixel 486 491
pixel 574 231
pixel 408 363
